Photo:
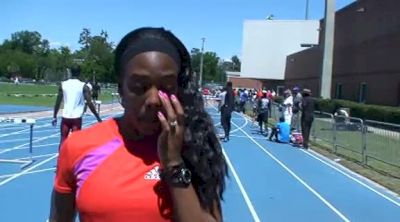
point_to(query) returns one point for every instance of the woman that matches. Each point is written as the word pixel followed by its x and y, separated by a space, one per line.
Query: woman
pixel 161 160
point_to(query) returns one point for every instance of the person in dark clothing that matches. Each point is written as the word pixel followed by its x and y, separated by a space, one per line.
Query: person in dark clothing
pixel 307 116
pixel 96 91
pixel 226 110
pixel 262 110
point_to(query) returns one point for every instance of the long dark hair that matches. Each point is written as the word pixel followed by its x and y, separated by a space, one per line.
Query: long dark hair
pixel 202 152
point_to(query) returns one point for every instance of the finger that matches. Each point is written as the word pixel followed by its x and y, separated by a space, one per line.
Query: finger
pixel 178 109
pixel 163 121
pixel 171 116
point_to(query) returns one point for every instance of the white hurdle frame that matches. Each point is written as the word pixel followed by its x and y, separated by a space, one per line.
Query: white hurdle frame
pixel 31 122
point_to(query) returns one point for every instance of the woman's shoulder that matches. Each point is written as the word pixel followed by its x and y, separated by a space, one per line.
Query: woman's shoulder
pixel 81 141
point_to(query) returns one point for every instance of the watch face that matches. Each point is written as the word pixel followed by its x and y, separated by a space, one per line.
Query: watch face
pixel 186 176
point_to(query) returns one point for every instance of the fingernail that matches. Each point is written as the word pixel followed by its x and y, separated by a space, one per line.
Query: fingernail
pixel 160 115
pixel 165 96
pixel 173 97
pixel 160 93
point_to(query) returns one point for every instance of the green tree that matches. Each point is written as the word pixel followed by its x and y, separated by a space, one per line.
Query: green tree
pixel 236 63
pixel 97 56
pixel 212 70
pixel 84 38
pixel 26 53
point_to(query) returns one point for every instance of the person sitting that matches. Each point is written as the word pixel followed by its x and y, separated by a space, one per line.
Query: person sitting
pixel 281 131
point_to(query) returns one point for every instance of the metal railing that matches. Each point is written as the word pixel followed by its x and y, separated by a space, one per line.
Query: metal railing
pixel 323 128
pixel 382 143
pixel 373 143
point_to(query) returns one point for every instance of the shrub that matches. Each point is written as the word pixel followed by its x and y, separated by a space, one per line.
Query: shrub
pixel 363 111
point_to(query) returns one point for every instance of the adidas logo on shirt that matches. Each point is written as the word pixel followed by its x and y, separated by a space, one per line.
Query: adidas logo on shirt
pixel 153 174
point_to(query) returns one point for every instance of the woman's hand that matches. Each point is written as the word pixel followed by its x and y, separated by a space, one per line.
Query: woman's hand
pixel 172 124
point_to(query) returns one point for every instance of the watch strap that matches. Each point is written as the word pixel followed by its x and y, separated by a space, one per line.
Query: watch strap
pixel 177 176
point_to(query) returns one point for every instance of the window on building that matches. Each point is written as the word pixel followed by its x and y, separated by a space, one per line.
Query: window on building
pixel 338 91
pixel 362 94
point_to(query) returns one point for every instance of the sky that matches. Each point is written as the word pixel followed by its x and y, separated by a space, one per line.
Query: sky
pixel 220 22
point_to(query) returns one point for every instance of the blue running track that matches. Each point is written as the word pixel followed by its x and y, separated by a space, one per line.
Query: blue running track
pixel 267 181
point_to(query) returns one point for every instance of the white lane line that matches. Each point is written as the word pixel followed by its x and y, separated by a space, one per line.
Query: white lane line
pixel 242 190
pixel 46 130
pixel 254 137
pixel 349 176
pixel 27 144
pixel 32 167
pixel 37 156
pixel 27 170
pixel 16 140
pixel 19 132
pixel 31 172
pixel 45 125
pixel 36 146
pixel 237 129
pixel 27 147
pixel 239 182
pixel 319 196
pixel 43 138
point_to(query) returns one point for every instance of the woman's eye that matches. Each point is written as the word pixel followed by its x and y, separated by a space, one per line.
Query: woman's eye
pixel 167 89
pixel 139 88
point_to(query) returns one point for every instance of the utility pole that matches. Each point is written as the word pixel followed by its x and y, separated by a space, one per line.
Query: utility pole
pixel 329 32
pixel 307 4
pixel 201 62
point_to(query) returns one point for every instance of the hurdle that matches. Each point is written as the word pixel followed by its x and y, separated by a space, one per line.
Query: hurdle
pixel 31 122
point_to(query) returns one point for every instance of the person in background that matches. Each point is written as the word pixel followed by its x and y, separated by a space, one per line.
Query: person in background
pixel 226 110
pixel 296 109
pixel 96 91
pixel 271 100
pixel 16 80
pixel 221 98
pixel 263 112
pixel 74 93
pixel 307 116
pixel 243 99
pixel 281 132
pixel 90 87
pixel 287 106
pixel 273 93
pixel 161 160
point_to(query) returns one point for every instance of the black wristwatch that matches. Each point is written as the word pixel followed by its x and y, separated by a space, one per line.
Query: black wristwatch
pixel 176 176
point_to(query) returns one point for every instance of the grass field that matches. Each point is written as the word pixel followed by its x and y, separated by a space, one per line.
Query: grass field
pixel 30 90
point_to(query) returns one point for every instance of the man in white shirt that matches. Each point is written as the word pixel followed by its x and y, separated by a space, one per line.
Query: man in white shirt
pixel 288 104
pixel 74 93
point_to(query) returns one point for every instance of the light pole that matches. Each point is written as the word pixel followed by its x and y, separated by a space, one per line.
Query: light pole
pixel 201 61
pixel 329 32
pixel 307 4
